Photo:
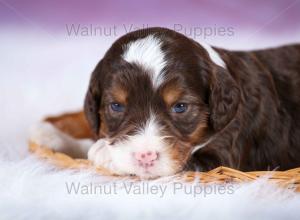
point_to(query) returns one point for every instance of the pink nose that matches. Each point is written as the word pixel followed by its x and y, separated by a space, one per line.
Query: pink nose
pixel 146 159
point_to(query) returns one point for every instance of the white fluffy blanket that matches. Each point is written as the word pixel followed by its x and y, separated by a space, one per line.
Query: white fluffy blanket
pixel 45 75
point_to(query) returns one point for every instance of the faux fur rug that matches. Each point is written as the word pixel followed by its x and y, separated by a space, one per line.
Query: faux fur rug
pixel 41 76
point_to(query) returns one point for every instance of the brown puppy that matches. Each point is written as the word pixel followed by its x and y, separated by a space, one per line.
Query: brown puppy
pixel 159 102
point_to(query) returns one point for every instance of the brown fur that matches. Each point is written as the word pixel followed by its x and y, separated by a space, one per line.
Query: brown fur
pixel 250 109
pixel 74 124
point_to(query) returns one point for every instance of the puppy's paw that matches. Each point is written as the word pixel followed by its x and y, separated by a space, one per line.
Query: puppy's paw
pixel 46 134
pixel 100 155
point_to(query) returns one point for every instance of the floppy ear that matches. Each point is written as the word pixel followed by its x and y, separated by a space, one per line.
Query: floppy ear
pixel 92 100
pixel 224 99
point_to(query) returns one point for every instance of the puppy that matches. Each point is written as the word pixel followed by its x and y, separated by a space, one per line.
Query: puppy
pixel 159 103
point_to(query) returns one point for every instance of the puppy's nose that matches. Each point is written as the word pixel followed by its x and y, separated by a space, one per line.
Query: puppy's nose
pixel 146 159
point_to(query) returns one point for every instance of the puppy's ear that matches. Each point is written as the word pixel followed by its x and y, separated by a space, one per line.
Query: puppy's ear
pixel 224 98
pixel 92 100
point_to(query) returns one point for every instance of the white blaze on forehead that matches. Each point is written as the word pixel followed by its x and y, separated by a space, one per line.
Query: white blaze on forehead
pixel 147 53
pixel 213 54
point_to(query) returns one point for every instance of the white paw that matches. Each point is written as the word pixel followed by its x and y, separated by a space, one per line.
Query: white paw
pixel 100 155
pixel 45 134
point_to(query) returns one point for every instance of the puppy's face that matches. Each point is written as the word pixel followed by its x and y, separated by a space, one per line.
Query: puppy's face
pixel 149 99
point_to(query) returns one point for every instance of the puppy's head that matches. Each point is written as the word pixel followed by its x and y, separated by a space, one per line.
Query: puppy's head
pixel 155 96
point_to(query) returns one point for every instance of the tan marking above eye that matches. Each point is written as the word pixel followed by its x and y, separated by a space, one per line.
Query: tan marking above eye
pixel 119 95
pixel 171 94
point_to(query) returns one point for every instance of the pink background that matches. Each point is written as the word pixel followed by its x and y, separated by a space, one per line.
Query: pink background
pixel 273 15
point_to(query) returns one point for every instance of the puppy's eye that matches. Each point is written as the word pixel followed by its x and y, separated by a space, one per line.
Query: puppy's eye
pixel 179 108
pixel 117 107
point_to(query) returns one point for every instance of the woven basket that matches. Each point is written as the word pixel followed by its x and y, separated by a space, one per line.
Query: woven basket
pixel 74 124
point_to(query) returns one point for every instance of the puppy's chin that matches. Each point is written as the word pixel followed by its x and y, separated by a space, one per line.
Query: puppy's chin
pixel 118 159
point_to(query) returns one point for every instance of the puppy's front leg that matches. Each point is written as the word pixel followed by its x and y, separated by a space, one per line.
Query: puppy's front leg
pixel 47 135
pixel 100 154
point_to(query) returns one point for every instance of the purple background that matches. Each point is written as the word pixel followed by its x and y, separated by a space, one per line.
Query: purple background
pixel 268 15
